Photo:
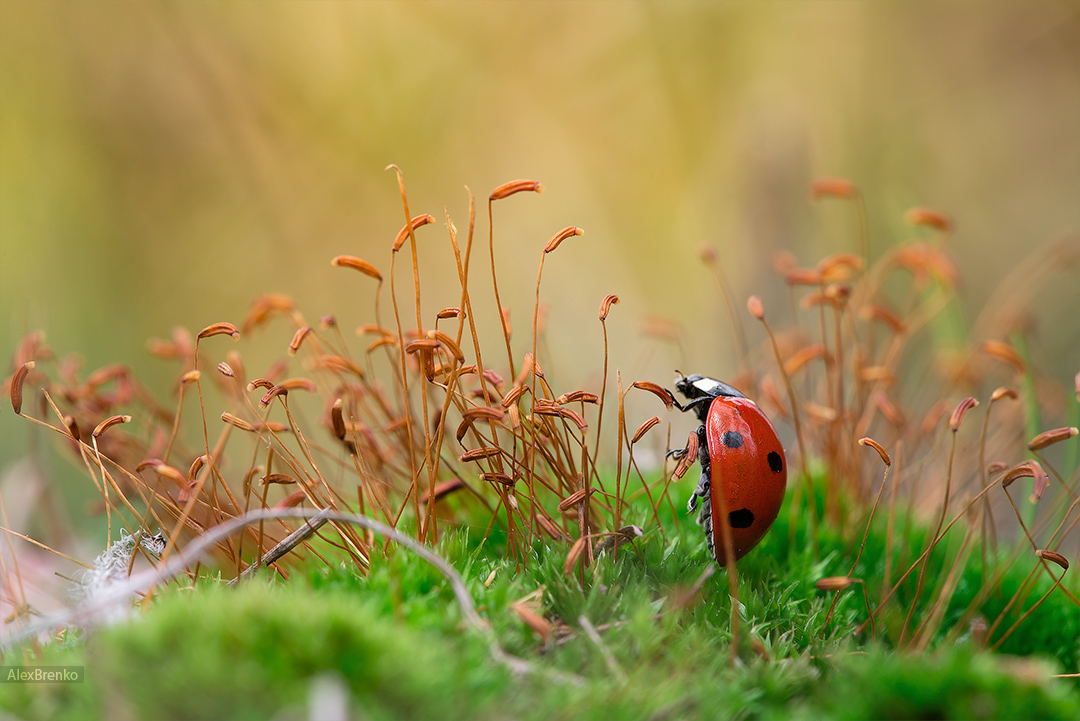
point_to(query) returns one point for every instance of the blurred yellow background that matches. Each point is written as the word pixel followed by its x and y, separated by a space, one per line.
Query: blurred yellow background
pixel 163 163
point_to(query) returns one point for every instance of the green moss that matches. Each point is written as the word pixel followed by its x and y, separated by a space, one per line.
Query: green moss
pixel 396 638
pixel 950 684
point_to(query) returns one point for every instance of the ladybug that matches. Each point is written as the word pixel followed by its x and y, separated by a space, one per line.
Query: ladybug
pixel 741 456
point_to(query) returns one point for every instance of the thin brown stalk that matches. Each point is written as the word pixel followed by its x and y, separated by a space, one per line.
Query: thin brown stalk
pixel 619 502
pixel 403 375
pixel 926 552
pixel 605 308
pixel 954 424
pixel 1043 556
pixel 22 608
pixel 869 443
pixel 505 191
pixel 926 630
pixel 430 522
pixel 708 255
pixel 729 563
pixel 757 309
pixel 470 317
pixel 986 517
pixel 1020 592
pixel 892 518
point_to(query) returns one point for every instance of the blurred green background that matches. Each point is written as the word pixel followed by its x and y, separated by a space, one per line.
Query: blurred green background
pixel 163 163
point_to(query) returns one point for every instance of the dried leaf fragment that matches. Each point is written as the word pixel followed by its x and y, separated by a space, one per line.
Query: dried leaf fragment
pixel 1049 438
pixel 645 428
pixel 802 276
pixel 293 499
pixel 407 230
pixel 574 499
pixel 1053 557
pixel 533 620
pixel 237 422
pixel 960 411
pixel 548 526
pixel 109 423
pixel 337 419
pixel 422 344
pixel 884 315
pixel 605 305
pixel 219 329
pixel 1003 392
pixel 449 344
pixel 577 397
pixel 500 478
pixel 298 384
pixel 834 583
pixel 574 554
pixel 271 394
pixel 335 364
pixel 877 447
pixel 298 338
pixel 470 415
pixel 756 307
pixel 276 478
pixel 265 306
pixel 839 266
pixel 172 474
pixel 929 218
pixel 72 428
pixel 196 466
pixel 562 235
pixel 351 261
pixel 657 390
pixel 1004 353
pixel 832 187
pixel 17 385
pixel 477 454
pixel 515 186
pixel 568 413
pixel 442 490
pixel 1027 469
pixel 800 358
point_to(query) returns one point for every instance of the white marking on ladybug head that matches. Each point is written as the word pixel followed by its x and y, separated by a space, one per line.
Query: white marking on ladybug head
pixel 708 386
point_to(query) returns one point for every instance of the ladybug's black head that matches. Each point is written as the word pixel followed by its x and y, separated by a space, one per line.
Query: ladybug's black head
pixel 701 390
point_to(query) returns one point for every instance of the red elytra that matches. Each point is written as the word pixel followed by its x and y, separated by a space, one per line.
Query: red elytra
pixel 748 466
pixel 741 458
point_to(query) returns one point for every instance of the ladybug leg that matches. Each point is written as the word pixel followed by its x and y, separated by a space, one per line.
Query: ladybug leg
pixel 700 406
pixel 703 490
pixel 704 482
pixel 676 453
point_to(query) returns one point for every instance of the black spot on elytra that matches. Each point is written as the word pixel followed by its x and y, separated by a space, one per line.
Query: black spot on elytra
pixel 733 439
pixel 776 463
pixel 742 518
